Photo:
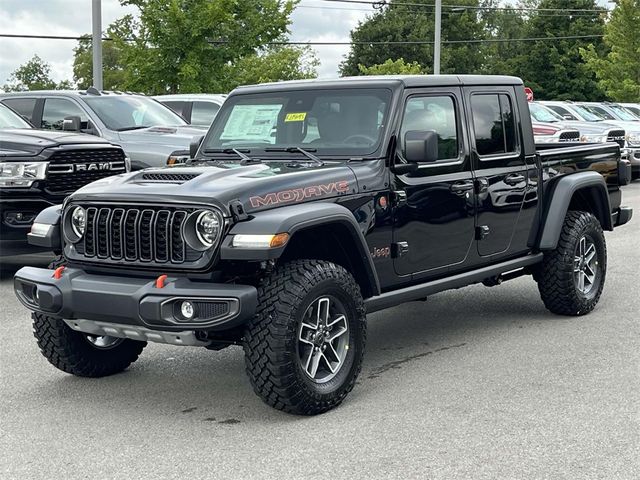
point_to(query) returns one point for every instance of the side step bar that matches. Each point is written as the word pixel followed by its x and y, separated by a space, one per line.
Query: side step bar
pixel 417 292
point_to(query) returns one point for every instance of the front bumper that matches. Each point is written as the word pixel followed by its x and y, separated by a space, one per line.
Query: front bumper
pixel 134 301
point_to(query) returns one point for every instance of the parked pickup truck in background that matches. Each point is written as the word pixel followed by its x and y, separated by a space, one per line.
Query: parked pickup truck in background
pixel 39 169
pixel 151 134
pixel 309 205
pixel 198 109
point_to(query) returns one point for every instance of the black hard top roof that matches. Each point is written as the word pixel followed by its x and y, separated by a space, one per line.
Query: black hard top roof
pixel 389 81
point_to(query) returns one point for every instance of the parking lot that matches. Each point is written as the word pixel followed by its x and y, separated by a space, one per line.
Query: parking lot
pixel 474 383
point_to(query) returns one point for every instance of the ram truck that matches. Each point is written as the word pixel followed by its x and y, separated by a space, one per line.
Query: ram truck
pixel 309 205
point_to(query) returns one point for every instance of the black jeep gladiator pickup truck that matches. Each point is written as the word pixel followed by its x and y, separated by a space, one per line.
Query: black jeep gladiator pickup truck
pixel 310 204
pixel 39 169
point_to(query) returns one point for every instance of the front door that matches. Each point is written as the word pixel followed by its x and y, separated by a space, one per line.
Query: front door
pixel 499 165
pixel 434 206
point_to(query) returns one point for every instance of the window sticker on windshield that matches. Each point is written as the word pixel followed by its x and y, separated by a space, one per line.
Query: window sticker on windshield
pixel 251 123
pixel 295 117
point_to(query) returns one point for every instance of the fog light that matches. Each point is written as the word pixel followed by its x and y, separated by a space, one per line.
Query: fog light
pixel 187 310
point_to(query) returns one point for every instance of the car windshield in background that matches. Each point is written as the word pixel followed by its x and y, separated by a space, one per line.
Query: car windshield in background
pixel 601 113
pixel 543 114
pixel 624 114
pixel 129 113
pixel 10 119
pixel 330 122
pixel 588 115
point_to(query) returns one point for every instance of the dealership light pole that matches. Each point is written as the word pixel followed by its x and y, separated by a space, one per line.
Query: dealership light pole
pixel 96 42
pixel 436 43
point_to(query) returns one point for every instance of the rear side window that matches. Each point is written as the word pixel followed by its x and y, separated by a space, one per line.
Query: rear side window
pixel 24 106
pixel 563 112
pixel 57 109
pixel 436 114
pixel 494 124
pixel 203 113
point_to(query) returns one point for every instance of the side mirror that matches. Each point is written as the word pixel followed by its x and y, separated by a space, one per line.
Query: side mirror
pixel 71 123
pixel 421 146
pixel 566 116
pixel 195 145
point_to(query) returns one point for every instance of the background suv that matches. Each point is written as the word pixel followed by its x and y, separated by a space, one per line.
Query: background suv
pixel 197 109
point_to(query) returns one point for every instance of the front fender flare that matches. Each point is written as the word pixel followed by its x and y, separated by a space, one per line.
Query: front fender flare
pixel 52 240
pixel 293 219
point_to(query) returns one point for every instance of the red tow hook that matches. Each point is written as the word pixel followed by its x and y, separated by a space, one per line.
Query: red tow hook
pixel 160 281
pixel 57 273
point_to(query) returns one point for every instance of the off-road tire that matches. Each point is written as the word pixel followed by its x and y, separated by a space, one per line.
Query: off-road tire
pixel 271 338
pixel 555 276
pixel 71 352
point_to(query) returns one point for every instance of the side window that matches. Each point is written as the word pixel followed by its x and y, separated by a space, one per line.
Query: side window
pixel 203 113
pixel 24 106
pixel 55 111
pixel 566 114
pixel 175 105
pixel 437 114
pixel 494 124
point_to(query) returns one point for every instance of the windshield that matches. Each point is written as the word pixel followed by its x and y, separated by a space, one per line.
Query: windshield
pixel 10 119
pixel 624 114
pixel 543 114
pixel 599 111
pixel 588 115
pixel 634 110
pixel 333 121
pixel 128 113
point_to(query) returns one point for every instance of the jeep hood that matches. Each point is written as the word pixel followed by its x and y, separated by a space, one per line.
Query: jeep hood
pixel 176 137
pixel 257 187
pixel 27 142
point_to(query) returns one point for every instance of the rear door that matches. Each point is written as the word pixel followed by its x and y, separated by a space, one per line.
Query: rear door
pixel 499 166
pixel 434 214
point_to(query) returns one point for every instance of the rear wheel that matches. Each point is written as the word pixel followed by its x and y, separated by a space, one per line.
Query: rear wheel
pixel 304 348
pixel 571 277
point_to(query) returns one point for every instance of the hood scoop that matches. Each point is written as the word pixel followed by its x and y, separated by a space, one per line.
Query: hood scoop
pixel 169 177
pixel 169 130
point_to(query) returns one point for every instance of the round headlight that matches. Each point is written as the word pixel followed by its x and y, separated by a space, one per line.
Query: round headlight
pixel 78 221
pixel 208 228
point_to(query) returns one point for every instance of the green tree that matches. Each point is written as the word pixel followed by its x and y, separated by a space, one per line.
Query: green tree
pixel 33 75
pixel 274 64
pixel 554 69
pixel 187 45
pixel 113 70
pixel 618 72
pixel 391 67
pixel 503 57
pixel 415 23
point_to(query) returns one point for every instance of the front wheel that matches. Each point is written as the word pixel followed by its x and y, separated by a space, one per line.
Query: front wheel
pixel 571 277
pixel 304 347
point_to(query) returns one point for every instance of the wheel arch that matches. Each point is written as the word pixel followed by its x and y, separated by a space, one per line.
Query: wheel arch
pixel 584 191
pixel 322 231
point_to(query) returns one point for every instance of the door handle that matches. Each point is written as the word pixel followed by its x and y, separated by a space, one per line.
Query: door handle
pixel 461 187
pixel 514 179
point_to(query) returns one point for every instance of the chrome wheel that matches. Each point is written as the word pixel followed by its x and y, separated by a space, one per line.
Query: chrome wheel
pixel 103 341
pixel 585 265
pixel 323 339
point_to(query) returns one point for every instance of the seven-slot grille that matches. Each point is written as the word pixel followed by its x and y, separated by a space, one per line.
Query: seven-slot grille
pixel 137 234
pixel 570 136
pixel 616 136
pixel 70 170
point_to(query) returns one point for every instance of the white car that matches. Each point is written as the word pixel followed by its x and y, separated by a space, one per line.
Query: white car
pixel 198 109
pixel 633 107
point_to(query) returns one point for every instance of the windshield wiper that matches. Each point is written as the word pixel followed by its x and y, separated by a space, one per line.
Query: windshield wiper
pixel 306 153
pixel 244 159
pixel 134 127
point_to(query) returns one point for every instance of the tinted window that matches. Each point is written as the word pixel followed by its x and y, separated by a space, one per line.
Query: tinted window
pixel 10 119
pixel 175 105
pixel 436 114
pixel 55 111
pixel 24 106
pixel 330 121
pixel 494 124
pixel 202 113
pixel 562 112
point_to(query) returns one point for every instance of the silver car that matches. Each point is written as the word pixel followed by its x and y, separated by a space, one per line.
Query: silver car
pixel 198 108
pixel 151 134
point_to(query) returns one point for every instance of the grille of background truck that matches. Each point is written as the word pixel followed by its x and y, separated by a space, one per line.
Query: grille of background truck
pixel 70 170
pixel 142 234
pixel 616 136
pixel 570 136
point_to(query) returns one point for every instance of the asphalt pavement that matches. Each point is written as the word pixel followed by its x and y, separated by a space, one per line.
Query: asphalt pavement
pixel 477 383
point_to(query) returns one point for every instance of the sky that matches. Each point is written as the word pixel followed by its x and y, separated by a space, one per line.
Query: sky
pixel 331 23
